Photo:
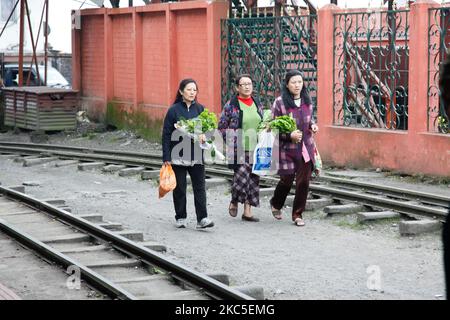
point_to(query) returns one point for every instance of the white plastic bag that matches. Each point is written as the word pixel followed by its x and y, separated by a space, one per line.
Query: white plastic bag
pixel 263 155
pixel 212 154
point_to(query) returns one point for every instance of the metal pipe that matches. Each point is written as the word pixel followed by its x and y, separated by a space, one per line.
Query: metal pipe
pixel 46 42
pixel 37 38
pixel 21 26
pixel 33 45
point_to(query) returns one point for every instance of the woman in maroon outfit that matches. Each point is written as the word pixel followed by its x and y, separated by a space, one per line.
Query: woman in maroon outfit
pixel 296 151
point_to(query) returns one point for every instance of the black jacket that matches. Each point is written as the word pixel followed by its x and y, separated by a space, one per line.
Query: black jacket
pixel 175 113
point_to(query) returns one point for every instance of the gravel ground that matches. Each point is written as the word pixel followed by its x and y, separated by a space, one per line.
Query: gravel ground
pixel 329 258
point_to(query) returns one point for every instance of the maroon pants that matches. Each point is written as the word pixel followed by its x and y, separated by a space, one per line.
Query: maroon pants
pixel 302 177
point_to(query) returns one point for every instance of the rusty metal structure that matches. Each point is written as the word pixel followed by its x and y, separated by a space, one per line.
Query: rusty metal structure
pixel 25 17
pixel 40 108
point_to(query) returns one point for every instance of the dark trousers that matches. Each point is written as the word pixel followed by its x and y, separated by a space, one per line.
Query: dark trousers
pixel 197 173
pixel 302 177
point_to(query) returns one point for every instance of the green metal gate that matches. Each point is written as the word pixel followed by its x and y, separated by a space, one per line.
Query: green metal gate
pixel 265 48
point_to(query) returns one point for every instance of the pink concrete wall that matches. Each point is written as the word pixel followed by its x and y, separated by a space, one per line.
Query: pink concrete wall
pixel 135 57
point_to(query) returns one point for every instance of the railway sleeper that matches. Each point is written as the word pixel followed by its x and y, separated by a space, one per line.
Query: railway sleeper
pixel 348 208
pixel 408 228
pixel 131 235
pixel 92 258
pixel 92 217
pixel 150 174
pixel 90 166
pixel 65 163
pixel 22 159
pixel 111 226
pixel 111 168
pixel 34 162
pixel 362 217
pixel 55 202
pixel 115 272
pixel 71 238
pixel 178 295
pixel 153 245
pixel 127 172
pixel 128 263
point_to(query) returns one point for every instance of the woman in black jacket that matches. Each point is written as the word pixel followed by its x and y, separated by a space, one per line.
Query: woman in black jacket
pixel 185 155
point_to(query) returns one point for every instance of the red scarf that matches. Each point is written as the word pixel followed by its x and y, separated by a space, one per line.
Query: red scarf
pixel 248 101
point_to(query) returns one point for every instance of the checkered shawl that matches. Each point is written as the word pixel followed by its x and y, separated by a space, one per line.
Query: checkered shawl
pixel 231 118
pixel 288 151
pixel 245 187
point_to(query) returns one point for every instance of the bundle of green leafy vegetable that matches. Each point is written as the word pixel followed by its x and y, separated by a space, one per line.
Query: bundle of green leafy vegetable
pixel 284 124
pixel 205 122
pixel 267 118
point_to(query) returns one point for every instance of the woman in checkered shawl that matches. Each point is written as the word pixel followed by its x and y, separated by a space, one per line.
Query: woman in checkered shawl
pixel 238 124
pixel 296 152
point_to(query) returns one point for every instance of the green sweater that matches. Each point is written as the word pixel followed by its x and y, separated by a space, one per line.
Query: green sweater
pixel 250 123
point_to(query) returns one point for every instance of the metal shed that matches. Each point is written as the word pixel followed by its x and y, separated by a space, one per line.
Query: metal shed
pixel 41 108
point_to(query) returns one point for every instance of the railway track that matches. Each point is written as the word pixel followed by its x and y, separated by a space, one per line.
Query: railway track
pixel 112 264
pixel 407 202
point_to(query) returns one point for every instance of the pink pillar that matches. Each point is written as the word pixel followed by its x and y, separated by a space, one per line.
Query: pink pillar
pixel 172 52
pixel 325 76
pixel 214 12
pixel 76 52
pixel 108 60
pixel 137 34
pixel 418 66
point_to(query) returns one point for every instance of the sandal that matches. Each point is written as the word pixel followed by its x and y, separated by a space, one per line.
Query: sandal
pixel 276 213
pixel 299 222
pixel 232 211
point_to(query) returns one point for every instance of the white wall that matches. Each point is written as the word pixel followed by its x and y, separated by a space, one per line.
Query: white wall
pixel 10 38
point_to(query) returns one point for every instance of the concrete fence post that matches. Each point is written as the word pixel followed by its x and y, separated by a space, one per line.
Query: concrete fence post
pixel 418 66
pixel 325 72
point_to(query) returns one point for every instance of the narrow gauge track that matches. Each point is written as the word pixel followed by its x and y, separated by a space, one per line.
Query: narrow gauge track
pixel 112 264
pixel 408 202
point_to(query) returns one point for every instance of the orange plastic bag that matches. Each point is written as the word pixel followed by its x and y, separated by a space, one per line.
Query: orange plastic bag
pixel 167 180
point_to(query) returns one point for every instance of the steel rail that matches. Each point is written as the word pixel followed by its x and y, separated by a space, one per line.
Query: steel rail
pixel 203 283
pixel 385 199
pixel 405 207
pixel 222 169
pixel 93 278
pixel 394 192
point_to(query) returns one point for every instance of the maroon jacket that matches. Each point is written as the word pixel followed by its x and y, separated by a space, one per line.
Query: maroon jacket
pixel 290 152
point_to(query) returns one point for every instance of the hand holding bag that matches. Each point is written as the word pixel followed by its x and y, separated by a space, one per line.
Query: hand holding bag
pixel 167 180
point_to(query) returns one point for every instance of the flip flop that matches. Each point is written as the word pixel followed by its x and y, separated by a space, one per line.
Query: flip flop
pixel 276 214
pixel 299 222
pixel 232 211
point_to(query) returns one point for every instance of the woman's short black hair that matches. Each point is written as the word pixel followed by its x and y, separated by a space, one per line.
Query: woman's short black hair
pixel 183 84
pixel 444 84
pixel 286 95
pixel 242 75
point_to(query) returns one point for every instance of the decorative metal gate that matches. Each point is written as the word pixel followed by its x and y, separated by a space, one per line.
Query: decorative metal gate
pixel 265 48
pixel 438 44
pixel 371 51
